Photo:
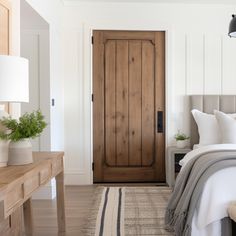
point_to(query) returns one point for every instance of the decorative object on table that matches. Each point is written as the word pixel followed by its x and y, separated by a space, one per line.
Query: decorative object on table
pixel 14 87
pixel 19 132
pixel 181 140
pixel 232 27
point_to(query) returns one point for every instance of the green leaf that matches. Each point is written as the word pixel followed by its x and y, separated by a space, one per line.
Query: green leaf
pixel 30 125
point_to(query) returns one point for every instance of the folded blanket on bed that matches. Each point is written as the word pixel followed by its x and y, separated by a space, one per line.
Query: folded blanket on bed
pixel 189 186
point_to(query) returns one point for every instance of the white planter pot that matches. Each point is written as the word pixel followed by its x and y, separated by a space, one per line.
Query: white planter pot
pixel 181 143
pixel 20 153
pixel 3 153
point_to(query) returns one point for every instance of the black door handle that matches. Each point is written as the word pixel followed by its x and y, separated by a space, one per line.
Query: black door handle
pixel 160 122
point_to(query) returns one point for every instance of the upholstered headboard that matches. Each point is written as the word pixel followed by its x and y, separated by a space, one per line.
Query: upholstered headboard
pixel 207 104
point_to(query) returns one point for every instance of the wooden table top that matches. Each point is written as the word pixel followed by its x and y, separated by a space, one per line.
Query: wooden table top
pixel 18 183
pixel 11 174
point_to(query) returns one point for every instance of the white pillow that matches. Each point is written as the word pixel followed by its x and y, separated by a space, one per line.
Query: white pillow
pixel 227 125
pixel 208 129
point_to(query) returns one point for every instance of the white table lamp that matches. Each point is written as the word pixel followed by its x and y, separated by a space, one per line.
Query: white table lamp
pixel 14 79
pixel 14 87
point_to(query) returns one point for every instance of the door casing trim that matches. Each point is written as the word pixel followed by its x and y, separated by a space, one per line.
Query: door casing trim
pixel 87 55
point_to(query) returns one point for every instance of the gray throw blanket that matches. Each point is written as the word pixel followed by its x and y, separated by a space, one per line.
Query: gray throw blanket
pixel 189 186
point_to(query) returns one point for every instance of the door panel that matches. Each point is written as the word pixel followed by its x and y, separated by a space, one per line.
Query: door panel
pixel 110 99
pixel 135 99
pixel 127 69
pixel 122 105
pixel 148 103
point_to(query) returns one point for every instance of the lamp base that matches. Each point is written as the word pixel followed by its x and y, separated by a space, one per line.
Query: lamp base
pixel 3 153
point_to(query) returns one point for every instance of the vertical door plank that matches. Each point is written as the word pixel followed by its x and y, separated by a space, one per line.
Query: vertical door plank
pixel 110 102
pixel 135 112
pixel 98 105
pixel 160 103
pixel 148 129
pixel 122 80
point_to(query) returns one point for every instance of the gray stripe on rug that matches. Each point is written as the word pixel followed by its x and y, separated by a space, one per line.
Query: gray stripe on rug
pixel 119 212
pixel 103 213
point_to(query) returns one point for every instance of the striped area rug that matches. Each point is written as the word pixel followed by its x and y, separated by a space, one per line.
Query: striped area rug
pixel 126 211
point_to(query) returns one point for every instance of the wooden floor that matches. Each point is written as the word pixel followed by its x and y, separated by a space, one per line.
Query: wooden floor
pixel 77 200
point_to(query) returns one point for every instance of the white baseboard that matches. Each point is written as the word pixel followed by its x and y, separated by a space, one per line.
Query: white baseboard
pixel 77 179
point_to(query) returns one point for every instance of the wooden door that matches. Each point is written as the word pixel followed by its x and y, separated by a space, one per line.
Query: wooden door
pixel 5 21
pixel 128 106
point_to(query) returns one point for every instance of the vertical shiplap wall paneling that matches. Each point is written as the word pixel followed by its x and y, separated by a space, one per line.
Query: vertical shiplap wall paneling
pixel 229 66
pixel 212 67
pixel 203 65
pixel 177 111
pixel 195 63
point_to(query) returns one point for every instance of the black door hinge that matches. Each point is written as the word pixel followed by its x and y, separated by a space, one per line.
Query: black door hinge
pixel 92 97
pixel 93 166
pixel 92 39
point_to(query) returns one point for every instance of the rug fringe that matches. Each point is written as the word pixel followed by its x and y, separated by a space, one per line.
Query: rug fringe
pixel 90 219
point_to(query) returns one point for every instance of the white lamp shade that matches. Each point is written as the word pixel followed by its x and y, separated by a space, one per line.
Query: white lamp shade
pixel 14 79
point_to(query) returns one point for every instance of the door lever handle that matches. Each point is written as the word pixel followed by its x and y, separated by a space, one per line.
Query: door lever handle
pixel 160 122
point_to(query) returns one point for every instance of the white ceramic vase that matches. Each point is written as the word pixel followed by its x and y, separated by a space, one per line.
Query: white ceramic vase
pixel 3 153
pixel 181 143
pixel 20 152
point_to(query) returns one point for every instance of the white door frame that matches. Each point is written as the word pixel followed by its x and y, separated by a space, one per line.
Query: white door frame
pixel 88 78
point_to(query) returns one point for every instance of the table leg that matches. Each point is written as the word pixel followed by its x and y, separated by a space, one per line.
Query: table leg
pixel 60 203
pixel 28 217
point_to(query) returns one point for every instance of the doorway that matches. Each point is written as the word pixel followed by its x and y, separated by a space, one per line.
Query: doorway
pixel 35 47
pixel 129 106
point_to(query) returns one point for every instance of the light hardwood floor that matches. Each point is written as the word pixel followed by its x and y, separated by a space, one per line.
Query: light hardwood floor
pixel 77 200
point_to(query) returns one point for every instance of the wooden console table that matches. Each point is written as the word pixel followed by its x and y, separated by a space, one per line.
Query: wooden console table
pixel 18 183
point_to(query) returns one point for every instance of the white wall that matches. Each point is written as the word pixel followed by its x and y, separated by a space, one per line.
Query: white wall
pixel 200 60
pixel 35 47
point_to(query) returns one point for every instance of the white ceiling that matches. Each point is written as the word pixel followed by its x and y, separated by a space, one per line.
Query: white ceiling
pixel 233 2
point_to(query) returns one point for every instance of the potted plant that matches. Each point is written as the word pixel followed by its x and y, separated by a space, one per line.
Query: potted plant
pixel 19 132
pixel 181 139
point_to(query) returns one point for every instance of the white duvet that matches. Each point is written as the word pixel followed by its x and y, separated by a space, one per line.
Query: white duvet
pixel 218 192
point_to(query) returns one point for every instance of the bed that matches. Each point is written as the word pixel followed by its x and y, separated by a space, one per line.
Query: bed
pixel 210 211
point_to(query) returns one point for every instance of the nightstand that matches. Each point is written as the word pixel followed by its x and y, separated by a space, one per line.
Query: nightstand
pixel 174 155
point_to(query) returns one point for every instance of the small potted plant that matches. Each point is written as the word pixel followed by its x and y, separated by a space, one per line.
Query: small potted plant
pixel 19 132
pixel 181 139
